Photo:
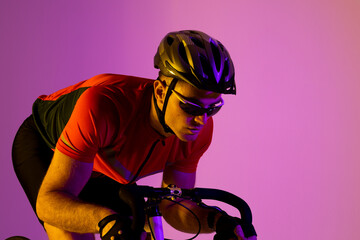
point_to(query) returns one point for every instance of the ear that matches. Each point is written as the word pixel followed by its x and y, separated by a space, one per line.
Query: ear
pixel 159 91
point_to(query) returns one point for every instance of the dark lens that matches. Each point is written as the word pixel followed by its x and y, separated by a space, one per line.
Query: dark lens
pixel 197 111
pixel 192 110
pixel 212 111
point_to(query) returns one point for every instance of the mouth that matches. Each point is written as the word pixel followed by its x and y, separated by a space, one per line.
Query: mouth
pixel 194 130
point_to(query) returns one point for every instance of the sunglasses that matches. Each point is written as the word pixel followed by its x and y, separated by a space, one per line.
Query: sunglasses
pixel 196 110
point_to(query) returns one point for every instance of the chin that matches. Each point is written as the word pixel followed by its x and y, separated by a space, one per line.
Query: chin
pixel 188 137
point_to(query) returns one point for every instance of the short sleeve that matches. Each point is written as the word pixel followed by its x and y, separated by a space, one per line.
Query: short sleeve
pixel 92 125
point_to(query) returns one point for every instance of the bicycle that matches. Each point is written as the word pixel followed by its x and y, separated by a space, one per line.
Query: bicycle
pixel 135 196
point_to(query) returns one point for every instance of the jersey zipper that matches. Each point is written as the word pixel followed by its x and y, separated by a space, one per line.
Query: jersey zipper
pixel 145 161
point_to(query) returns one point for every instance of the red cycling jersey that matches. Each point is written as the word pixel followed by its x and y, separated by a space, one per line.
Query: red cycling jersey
pixel 105 120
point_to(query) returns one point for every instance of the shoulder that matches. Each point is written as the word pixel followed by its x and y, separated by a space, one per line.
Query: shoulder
pixel 115 85
pixel 122 92
pixel 117 97
pixel 119 80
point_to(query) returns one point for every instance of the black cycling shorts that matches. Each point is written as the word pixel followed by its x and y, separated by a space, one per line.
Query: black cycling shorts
pixel 31 158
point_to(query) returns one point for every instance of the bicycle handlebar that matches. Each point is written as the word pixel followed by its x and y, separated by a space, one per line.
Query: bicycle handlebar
pixel 226 197
pixel 134 196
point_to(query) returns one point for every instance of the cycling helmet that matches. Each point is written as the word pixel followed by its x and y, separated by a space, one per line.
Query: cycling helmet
pixel 198 59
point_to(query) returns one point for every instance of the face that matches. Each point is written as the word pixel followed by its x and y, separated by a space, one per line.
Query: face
pixel 180 117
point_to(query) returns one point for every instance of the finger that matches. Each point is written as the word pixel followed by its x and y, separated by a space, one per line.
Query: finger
pixel 239 232
pixel 108 227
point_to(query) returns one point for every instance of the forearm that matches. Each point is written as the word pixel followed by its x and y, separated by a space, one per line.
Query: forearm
pixel 57 203
pixel 182 220
pixel 68 213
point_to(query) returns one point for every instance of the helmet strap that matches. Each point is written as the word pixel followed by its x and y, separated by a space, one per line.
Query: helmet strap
pixel 161 113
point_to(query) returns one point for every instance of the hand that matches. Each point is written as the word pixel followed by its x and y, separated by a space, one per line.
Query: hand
pixel 228 228
pixel 117 227
pixel 240 234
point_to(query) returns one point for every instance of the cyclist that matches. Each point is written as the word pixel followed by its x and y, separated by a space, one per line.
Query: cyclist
pixel 83 142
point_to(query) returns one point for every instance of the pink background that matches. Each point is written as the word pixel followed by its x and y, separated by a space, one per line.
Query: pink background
pixel 288 142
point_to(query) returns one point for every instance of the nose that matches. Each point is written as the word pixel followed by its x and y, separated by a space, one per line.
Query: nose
pixel 202 119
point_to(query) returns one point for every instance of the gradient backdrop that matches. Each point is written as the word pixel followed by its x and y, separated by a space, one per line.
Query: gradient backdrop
pixel 288 142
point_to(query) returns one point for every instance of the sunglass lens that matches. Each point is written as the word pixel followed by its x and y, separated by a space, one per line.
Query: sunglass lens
pixel 198 111
pixel 191 109
pixel 213 111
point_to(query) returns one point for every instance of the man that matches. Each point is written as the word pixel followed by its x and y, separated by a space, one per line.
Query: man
pixel 112 130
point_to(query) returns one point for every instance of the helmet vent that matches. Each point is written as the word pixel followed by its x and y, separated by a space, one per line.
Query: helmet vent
pixel 221 46
pixel 226 70
pixel 169 40
pixel 216 54
pixel 182 53
pixel 197 42
pixel 207 71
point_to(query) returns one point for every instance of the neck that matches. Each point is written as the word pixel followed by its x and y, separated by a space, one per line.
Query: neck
pixel 154 121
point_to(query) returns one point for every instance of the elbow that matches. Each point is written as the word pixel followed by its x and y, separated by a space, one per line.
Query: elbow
pixel 40 208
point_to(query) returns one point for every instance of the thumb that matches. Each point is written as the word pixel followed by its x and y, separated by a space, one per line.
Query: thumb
pixel 239 232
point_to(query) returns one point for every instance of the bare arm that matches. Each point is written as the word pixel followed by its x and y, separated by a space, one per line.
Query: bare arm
pixel 57 202
pixel 178 217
